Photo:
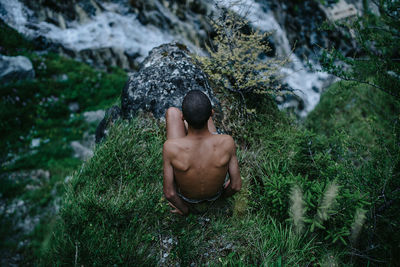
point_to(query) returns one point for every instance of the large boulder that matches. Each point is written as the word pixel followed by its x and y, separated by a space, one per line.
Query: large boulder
pixel 164 78
pixel 15 68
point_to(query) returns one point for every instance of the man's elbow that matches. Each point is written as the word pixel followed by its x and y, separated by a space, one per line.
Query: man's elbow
pixel 169 194
pixel 236 186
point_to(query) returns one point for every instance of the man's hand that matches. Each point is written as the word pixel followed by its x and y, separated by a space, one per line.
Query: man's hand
pixel 175 209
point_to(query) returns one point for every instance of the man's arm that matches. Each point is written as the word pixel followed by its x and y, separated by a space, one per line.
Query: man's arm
pixel 169 185
pixel 235 183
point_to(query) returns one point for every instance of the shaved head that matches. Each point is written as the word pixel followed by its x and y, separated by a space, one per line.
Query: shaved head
pixel 196 109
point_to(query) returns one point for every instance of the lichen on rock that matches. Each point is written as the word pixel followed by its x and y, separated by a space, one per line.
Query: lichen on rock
pixel 165 76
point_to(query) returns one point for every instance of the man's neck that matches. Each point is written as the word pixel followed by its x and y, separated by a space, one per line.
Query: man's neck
pixel 203 132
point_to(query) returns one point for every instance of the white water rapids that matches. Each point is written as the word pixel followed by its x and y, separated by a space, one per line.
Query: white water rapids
pixel 115 27
pixel 306 84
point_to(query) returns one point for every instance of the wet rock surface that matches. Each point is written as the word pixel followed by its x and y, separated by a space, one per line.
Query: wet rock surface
pixel 165 77
pixel 111 116
pixel 20 215
pixel 83 149
pixel 302 22
pixel 111 32
pixel 15 69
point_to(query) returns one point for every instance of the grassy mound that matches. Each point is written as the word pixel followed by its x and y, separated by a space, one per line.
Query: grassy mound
pixel 308 198
pixel 114 213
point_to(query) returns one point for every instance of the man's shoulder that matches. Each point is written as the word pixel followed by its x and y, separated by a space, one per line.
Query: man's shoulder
pixel 173 144
pixel 225 140
pixel 224 137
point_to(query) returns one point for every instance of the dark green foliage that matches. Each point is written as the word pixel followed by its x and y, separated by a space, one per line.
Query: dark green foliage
pixel 377 62
pixel 354 144
pixel 12 43
pixel 368 122
pixel 39 108
pixel 285 156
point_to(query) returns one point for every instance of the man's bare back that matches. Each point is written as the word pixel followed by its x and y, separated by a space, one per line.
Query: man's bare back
pixel 196 161
pixel 200 164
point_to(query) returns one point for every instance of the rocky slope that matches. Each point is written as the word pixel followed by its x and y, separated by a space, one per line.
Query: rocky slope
pixel 121 32
pixel 165 77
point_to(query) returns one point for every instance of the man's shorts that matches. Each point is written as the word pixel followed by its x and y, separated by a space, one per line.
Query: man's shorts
pixel 199 206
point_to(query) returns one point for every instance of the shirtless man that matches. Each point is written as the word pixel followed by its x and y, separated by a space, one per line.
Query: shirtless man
pixel 196 163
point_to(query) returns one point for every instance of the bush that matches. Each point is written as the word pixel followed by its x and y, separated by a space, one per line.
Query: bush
pixel 235 63
pixel 288 157
pixel 238 68
pixel 376 62
pixel 12 43
pixel 367 122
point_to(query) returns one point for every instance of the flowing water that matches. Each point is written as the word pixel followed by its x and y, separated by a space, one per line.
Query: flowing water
pixel 307 85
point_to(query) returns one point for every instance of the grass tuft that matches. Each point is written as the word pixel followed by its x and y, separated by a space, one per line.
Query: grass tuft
pixel 297 210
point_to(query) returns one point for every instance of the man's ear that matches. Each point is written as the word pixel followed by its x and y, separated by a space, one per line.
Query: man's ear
pixel 182 116
pixel 212 112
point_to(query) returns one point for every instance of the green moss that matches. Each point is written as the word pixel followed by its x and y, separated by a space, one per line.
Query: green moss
pixel 39 108
pixel 11 42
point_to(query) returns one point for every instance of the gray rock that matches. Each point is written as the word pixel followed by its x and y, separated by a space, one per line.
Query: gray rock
pixel 301 22
pixel 63 77
pixel 166 75
pixel 73 107
pixel 37 177
pixel 80 151
pixel 83 149
pixel 111 116
pixel 35 142
pixel 15 68
pixel 94 116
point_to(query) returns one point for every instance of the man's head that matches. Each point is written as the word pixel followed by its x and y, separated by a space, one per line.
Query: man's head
pixel 196 109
